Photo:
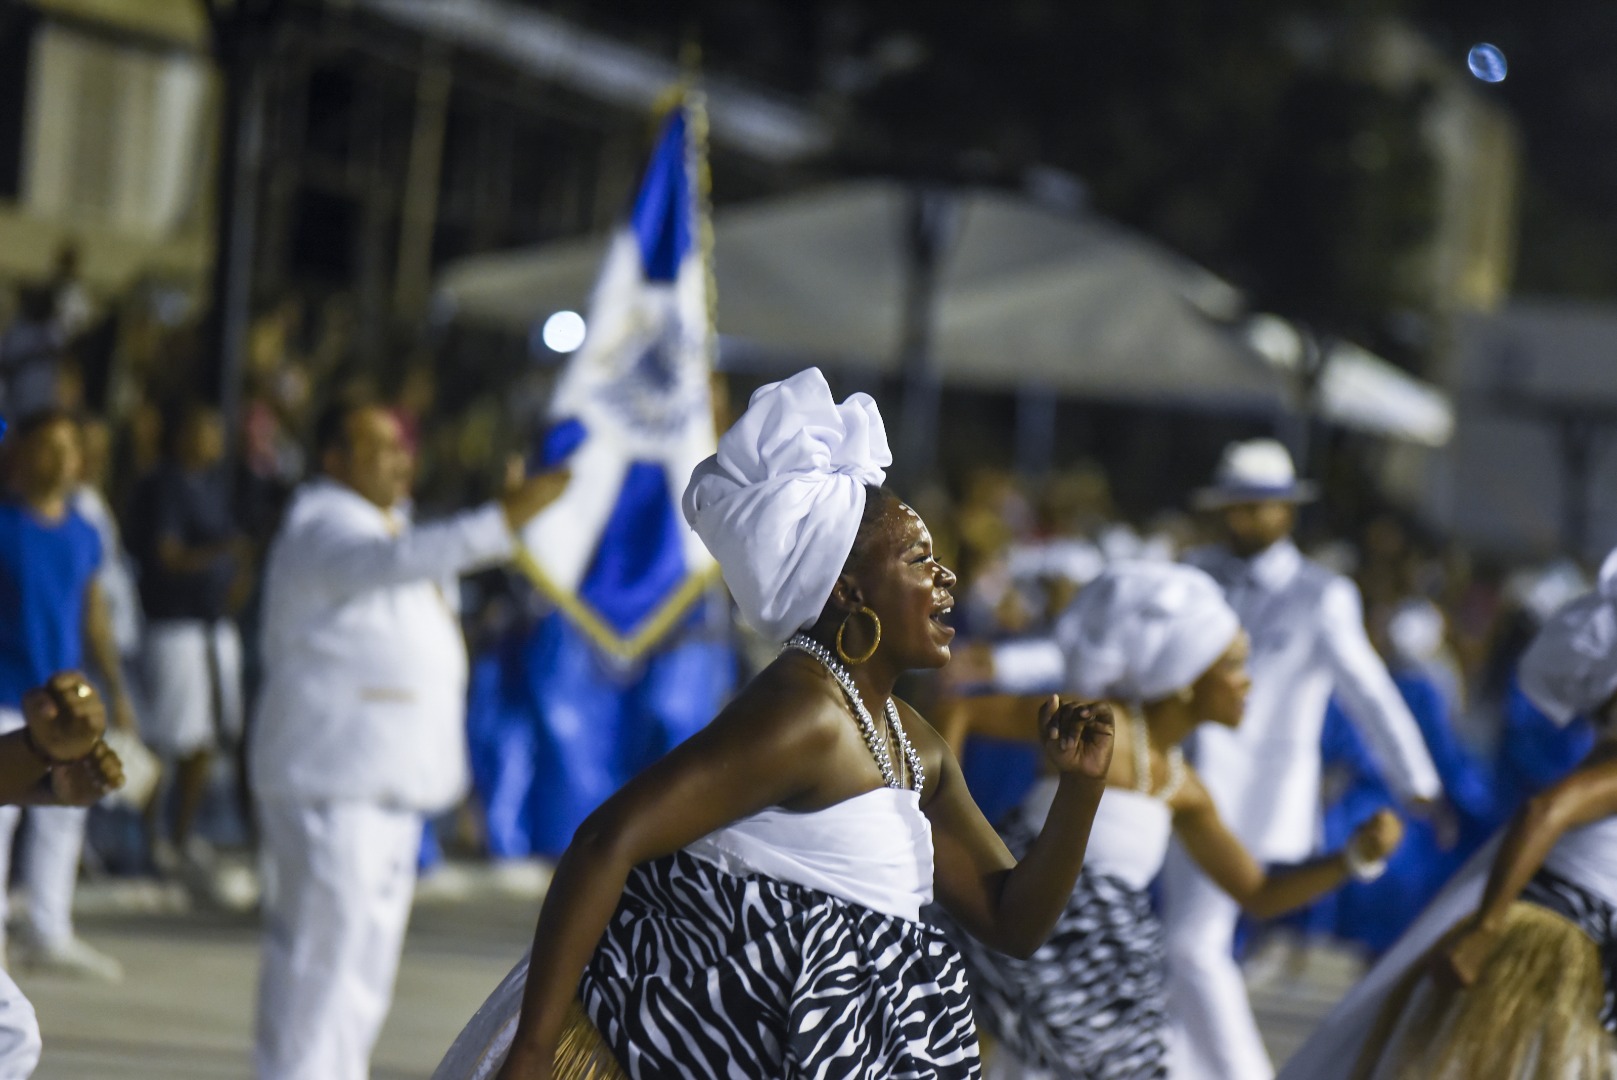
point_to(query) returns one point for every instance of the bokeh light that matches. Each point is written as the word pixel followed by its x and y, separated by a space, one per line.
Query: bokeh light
pixel 564 331
pixel 1487 63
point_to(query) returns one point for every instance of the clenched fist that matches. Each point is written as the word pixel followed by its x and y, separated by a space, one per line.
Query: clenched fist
pixel 65 717
pixel 85 782
pixel 1378 837
pixel 526 497
pixel 1077 736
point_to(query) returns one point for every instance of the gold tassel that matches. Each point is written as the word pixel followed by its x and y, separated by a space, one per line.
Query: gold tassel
pixel 581 1053
pixel 1533 1013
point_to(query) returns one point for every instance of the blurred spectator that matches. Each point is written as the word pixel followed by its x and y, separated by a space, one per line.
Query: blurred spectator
pixel 51 609
pixel 117 574
pixel 74 309
pixel 191 555
pixel 31 354
pixel 417 394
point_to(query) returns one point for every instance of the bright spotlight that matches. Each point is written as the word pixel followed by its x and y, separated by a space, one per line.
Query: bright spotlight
pixel 564 331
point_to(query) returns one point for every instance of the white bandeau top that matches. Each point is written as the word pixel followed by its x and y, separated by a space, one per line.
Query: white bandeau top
pixel 874 849
pixel 1588 857
pixel 1129 839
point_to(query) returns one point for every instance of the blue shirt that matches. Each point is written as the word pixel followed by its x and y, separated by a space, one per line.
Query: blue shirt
pixel 45 574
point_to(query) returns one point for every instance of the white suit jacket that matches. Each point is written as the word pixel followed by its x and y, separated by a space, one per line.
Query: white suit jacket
pixel 1308 641
pixel 364 664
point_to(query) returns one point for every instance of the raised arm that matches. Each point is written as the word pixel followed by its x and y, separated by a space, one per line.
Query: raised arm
pixel 103 649
pixel 59 757
pixel 997 716
pixel 1587 796
pixel 766 748
pixel 1371 699
pixel 1010 905
pixel 1269 891
pixel 350 559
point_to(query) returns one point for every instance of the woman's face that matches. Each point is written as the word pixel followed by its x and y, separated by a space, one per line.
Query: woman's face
pixel 1220 693
pixel 908 589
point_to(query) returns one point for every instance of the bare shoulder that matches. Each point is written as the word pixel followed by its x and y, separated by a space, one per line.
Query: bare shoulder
pixel 918 728
pixel 789 699
pixel 936 756
pixel 1192 800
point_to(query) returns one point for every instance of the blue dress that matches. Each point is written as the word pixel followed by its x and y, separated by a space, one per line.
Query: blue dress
pixel 1376 913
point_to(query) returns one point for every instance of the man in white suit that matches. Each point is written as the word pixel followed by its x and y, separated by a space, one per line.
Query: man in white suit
pixel 1308 642
pixel 359 733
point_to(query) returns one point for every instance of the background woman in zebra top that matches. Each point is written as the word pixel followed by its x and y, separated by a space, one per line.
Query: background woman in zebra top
pixel 808 543
pixel 1511 971
pixel 1160 643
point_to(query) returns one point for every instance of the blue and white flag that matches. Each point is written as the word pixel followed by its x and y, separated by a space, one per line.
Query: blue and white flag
pixel 633 416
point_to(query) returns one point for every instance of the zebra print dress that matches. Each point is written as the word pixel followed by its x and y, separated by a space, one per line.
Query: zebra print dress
pixel 721 961
pixel 706 974
pixel 1091 1003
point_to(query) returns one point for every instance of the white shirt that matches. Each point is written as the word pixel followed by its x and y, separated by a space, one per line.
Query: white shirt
pixel 364 693
pixel 115 577
pixel 1308 642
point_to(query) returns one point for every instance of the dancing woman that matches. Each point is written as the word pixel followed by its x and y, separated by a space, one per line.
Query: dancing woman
pixel 1160 644
pixel 1511 972
pixel 748 906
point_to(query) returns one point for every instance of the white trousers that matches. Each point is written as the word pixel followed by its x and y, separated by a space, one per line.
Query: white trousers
pixel 191 670
pixel 338 881
pixel 1213 1034
pixel 50 866
pixel 19 1032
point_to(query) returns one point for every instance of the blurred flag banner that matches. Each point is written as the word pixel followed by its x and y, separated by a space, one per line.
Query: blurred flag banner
pixel 633 416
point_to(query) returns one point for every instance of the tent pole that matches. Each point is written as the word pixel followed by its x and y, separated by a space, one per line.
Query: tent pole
pixel 926 228
pixel 1035 430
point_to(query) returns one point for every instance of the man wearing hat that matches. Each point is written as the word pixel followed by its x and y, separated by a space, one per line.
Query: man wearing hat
pixel 1308 643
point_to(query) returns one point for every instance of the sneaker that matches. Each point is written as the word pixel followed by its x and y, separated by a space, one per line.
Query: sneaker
pixel 165 858
pixel 198 854
pixel 74 957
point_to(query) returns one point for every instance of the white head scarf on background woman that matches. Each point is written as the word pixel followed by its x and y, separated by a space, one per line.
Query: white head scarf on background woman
pixel 780 503
pixel 1144 630
pixel 1570 668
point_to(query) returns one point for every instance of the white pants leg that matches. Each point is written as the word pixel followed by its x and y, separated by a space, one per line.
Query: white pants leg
pixel 227 668
pixel 10 818
pixel 338 880
pixel 51 869
pixel 19 1032
pixel 1214 1035
pixel 178 675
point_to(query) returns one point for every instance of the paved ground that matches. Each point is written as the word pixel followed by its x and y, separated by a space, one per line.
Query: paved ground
pixel 184 1010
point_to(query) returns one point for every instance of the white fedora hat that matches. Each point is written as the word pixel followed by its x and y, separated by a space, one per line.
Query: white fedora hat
pixel 1259 470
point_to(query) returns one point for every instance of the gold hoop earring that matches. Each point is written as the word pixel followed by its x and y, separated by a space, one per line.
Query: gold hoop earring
pixel 855 661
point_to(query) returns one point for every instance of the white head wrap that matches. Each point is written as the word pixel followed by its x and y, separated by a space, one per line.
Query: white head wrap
pixel 780 503
pixel 1415 631
pixel 1570 668
pixel 1143 630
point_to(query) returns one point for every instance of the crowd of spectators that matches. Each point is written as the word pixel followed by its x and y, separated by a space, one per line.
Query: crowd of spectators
pixel 184 510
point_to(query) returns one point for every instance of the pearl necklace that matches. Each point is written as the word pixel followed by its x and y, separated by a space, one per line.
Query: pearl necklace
pixel 867 724
pixel 1142 763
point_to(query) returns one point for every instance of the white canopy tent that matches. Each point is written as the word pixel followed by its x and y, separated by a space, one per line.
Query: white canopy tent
pixel 1024 294
pixel 1024 297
